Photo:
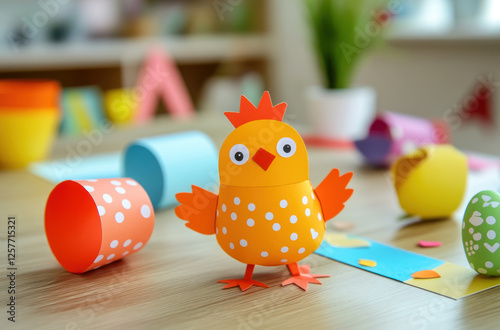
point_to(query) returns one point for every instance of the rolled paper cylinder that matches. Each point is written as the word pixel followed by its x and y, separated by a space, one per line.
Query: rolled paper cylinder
pixel 391 135
pixel 29 117
pixel 29 94
pixel 169 164
pixel 91 223
pixel 430 182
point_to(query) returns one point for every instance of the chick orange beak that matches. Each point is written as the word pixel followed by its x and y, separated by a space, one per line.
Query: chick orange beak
pixel 263 158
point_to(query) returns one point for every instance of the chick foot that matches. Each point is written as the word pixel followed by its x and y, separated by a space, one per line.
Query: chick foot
pixel 243 283
pixel 301 276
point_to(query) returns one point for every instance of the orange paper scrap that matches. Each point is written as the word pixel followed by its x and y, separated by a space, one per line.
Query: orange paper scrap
pixel 426 274
pixel 91 223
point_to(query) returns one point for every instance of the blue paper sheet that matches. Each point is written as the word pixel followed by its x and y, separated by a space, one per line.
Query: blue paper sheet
pixel 392 262
pixel 80 168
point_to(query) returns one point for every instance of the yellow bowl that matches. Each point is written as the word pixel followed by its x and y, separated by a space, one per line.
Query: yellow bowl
pixel 26 135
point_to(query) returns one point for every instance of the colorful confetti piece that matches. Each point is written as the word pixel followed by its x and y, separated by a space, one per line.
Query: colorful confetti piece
pixel 426 274
pixel 428 244
pixel 367 263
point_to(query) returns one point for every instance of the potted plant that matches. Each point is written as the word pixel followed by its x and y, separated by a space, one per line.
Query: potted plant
pixel 343 31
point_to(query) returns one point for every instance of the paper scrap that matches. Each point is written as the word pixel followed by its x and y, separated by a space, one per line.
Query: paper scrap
pixel 367 263
pixel 79 168
pixel 425 274
pixel 428 244
pixel 392 262
pixel 345 241
pixel 455 281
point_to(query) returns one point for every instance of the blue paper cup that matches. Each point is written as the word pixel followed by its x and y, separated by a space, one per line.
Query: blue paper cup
pixel 169 164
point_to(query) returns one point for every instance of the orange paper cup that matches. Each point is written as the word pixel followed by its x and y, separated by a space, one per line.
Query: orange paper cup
pixel 91 223
pixel 29 94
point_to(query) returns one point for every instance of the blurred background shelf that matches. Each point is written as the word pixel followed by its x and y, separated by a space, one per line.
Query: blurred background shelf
pixel 115 52
pixel 435 52
pixel 459 35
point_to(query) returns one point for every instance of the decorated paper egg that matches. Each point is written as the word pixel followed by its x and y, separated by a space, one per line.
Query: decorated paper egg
pixel 481 233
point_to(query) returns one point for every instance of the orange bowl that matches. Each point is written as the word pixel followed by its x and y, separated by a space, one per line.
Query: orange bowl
pixel 29 119
pixel 29 94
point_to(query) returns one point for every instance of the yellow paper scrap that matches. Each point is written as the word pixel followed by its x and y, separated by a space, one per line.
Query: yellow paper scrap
pixel 367 263
pixel 456 281
pixel 345 241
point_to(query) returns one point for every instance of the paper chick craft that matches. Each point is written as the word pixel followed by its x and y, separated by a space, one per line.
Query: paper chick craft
pixel 267 212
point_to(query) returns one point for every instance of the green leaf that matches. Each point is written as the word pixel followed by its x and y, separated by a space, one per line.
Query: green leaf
pixel 339 35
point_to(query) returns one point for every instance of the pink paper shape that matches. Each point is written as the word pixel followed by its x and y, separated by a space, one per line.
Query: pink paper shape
pixel 428 244
pixel 160 76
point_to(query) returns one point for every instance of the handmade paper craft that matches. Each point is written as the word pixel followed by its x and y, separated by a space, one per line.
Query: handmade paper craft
pixel 455 281
pixel 91 223
pixel 168 164
pixel 82 110
pixel 392 135
pixel 430 182
pixel 160 77
pixel 267 211
pixel 29 117
pixel 74 167
pixel 480 233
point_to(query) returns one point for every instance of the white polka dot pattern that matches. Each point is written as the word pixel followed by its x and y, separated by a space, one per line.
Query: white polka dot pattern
pixel 127 217
pixel 265 217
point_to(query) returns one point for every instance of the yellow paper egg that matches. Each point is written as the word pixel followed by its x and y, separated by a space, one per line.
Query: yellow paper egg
pixel 430 182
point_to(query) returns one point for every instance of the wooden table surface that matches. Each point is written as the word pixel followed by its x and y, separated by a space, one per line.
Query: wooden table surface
pixel 172 282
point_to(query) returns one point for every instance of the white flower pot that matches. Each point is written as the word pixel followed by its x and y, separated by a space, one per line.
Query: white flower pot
pixel 341 114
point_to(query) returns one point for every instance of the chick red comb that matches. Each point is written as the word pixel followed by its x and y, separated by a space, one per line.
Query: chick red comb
pixel 248 111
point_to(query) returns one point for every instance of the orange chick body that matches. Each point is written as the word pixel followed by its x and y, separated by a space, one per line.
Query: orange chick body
pixel 267 211
pixel 269 226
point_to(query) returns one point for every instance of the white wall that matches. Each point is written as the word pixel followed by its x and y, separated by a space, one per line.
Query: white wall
pixel 424 78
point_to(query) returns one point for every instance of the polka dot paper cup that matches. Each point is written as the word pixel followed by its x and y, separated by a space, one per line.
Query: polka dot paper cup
pixel 91 223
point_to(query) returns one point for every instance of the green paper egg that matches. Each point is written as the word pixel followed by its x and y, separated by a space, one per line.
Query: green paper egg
pixel 481 233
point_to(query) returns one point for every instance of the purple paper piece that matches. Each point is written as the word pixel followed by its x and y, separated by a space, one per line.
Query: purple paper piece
pixel 400 133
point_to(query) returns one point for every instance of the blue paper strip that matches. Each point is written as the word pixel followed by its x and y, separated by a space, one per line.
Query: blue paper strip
pixel 392 262
pixel 103 166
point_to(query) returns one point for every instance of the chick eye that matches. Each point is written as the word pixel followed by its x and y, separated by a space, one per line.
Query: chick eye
pixel 286 147
pixel 239 154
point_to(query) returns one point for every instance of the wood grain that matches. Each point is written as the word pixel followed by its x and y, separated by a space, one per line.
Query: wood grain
pixel 172 282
